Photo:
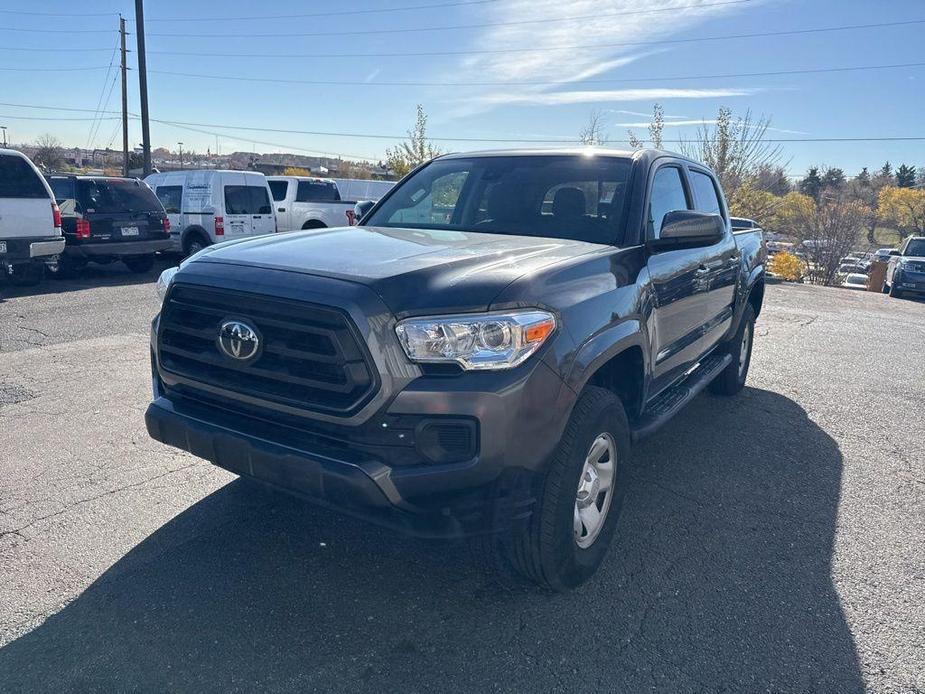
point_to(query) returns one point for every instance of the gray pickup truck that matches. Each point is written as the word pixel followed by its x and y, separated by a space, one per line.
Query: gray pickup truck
pixel 477 358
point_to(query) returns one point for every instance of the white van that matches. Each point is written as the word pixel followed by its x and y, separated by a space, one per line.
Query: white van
pixel 30 222
pixel 206 207
pixel 304 202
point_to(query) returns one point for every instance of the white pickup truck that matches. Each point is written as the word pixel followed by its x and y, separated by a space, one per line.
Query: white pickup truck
pixel 315 203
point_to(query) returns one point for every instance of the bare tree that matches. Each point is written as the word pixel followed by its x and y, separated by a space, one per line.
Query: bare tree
pixel 416 150
pixel 48 154
pixel 736 148
pixel 593 132
pixel 655 127
pixel 829 230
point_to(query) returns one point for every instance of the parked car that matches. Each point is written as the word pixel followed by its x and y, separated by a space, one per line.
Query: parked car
pixel 207 207
pixel 882 255
pixel 479 358
pixel 30 222
pixel 779 247
pixel 107 219
pixel 740 223
pixel 855 280
pixel 852 266
pixel 316 203
pixel 906 270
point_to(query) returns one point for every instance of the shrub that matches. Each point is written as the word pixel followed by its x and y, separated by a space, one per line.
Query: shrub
pixel 788 267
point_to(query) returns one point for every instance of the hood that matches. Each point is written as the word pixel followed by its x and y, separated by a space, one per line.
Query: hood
pixel 412 270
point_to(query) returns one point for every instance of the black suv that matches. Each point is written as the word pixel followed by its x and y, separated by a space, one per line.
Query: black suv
pixel 105 219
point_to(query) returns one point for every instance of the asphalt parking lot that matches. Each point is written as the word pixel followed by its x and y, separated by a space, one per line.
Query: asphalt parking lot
pixel 770 542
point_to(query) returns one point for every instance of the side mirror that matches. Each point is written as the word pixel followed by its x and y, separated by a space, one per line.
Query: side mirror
pixel 361 208
pixel 893 251
pixel 689 229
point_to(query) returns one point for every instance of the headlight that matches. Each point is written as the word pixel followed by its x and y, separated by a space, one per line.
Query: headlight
pixel 478 340
pixel 163 282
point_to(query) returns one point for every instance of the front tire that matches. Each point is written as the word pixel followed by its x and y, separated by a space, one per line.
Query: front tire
pixel 732 379
pixel 894 292
pixel 580 497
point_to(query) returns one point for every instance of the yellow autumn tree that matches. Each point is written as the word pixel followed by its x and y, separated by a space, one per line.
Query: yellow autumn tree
pixel 296 171
pixel 904 208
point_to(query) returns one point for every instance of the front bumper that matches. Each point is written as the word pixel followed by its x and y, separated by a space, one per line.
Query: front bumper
pixel 907 281
pixel 26 249
pixel 116 248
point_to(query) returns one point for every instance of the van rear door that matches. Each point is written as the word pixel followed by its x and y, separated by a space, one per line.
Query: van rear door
pixel 237 217
pixel 25 205
pixel 262 219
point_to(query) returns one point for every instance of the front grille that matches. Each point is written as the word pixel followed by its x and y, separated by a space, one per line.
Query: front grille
pixel 310 358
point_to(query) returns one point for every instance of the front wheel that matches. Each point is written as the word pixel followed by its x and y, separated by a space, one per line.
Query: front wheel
pixel 732 379
pixel 580 496
pixel 894 292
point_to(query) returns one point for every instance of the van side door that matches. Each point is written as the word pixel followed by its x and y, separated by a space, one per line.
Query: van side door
pixel 718 271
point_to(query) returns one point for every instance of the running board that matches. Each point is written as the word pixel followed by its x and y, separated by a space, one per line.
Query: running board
pixel 669 403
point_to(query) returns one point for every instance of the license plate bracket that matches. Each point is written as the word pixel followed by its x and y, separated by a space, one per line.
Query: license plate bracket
pixel 130 231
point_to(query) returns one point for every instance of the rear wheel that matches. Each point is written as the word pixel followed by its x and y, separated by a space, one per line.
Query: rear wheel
pixel 194 243
pixel 65 268
pixel 27 274
pixel 580 497
pixel 732 379
pixel 314 224
pixel 139 264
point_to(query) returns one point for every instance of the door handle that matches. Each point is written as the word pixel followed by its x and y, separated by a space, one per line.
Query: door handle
pixel 280 209
pixel 702 271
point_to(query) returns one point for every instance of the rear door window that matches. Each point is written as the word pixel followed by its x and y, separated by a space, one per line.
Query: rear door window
pixel 19 180
pixel 706 199
pixel 116 195
pixel 279 188
pixel 317 191
pixel 237 200
pixel 171 198
pixel 259 200
pixel 63 188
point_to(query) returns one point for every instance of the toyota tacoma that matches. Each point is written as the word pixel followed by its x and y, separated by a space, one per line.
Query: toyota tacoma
pixel 477 357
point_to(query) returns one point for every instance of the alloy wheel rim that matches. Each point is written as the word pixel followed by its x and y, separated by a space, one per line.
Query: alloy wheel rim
pixel 743 349
pixel 595 490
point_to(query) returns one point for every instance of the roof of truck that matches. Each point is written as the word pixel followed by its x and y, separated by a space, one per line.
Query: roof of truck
pixel 646 155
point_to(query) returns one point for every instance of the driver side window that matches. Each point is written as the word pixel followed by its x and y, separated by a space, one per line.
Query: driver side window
pixel 667 195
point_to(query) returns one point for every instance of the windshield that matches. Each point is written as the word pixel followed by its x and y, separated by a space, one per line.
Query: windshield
pixel 559 196
pixel 111 195
pixel 916 247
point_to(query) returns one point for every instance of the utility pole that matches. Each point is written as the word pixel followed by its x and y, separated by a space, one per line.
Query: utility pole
pixel 124 97
pixel 181 154
pixel 143 85
pixel 3 128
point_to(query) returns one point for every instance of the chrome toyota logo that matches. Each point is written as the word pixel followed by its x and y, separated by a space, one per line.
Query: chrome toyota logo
pixel 238 340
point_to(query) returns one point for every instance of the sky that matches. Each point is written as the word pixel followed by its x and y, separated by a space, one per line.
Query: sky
pixel 490 73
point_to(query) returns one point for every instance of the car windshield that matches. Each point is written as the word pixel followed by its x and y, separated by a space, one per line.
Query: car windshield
pixel 916 247
pixel 110 195
pixel 559 196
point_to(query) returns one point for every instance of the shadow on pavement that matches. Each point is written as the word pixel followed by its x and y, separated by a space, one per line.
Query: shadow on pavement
pixel 114 274
pixel 719 580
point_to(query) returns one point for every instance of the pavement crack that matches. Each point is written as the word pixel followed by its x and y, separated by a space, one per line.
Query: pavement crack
pixel 80 502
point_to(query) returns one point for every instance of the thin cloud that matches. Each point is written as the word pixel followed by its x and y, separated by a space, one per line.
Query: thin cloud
pixel 611 95
pixel 579 63
pixel 372 75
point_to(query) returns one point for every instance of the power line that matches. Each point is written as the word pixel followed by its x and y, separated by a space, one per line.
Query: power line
pixel 58 31
pixel 339 13
pixel 55 108
pixel 55 69
pixel 99 121
pixel 534 49
pixel 99 101
pixel 52 50
pixel 363 83
pixel 483 25
pixel 61 14
pixel 48 118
